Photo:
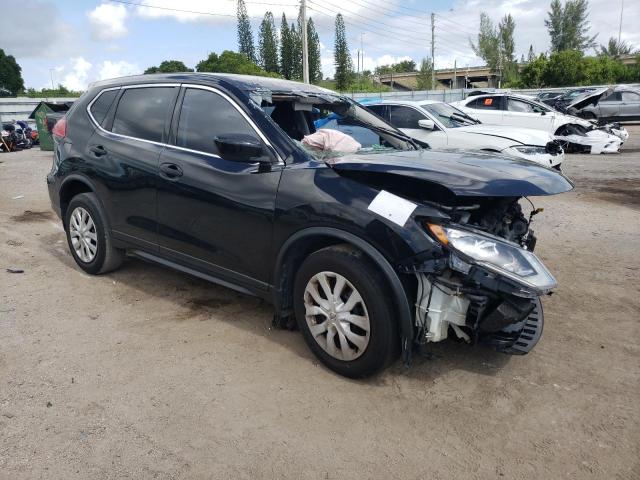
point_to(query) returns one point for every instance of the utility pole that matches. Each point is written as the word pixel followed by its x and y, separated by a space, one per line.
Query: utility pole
pixel 51 75
pixel 500 64
pixel 433 51
pixel 454 84
pixel 361 60
pixel 305 46
pixel 620 29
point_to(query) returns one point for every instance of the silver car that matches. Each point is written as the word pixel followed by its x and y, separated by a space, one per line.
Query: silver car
pixel 618 104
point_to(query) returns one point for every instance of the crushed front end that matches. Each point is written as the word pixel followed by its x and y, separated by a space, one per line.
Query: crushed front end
pixel 486 286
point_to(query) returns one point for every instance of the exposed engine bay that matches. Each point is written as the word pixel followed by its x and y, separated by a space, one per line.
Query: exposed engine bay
pixel 474 307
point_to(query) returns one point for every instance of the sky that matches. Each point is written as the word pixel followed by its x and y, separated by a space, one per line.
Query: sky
pixel 77 42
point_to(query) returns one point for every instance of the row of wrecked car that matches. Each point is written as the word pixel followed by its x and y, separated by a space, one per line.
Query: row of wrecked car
pixel 500 122
pixel 575 134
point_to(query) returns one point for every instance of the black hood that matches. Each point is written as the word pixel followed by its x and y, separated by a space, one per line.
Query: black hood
pixel 463 173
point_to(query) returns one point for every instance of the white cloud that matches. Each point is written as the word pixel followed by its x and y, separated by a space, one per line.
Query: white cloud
pixel 223 11
pixel 75 75
pixel 78 73
pixel 108 21
pixel 121 68
pixel 36 30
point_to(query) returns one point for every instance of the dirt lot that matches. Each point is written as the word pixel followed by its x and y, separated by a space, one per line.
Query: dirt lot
pixel 147 373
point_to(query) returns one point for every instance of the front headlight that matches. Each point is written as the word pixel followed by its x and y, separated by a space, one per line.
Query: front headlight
pixel 530 149
pixel 498 256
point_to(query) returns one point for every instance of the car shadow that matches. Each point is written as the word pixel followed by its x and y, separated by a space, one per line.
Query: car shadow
pixel 198 300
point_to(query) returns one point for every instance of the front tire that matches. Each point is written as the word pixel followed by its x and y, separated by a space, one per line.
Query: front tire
pixel 88 237
pixel 344 315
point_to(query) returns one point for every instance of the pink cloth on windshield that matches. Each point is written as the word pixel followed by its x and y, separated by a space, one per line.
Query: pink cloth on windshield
pixel 331 140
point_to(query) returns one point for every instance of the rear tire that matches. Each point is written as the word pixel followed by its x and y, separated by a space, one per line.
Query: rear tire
pixel 350 328
pixel 88 236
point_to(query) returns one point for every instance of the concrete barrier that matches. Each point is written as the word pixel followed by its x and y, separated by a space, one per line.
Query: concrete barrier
pixel 19 108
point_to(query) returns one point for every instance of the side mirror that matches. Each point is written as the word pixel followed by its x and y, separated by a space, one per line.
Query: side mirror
pixel 240 148
pixel 426 123
pixel 543 112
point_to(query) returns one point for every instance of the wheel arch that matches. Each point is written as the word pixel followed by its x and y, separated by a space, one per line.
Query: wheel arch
pixel 304 242
pixel 73 185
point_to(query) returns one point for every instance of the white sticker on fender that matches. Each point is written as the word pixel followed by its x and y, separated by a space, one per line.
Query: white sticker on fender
pixel 392 207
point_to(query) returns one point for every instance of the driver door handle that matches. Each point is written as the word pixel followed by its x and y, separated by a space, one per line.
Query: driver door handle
pixel 98 150
pixel 170 170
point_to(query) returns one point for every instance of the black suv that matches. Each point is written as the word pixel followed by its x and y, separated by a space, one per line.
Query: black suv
pixel 370 253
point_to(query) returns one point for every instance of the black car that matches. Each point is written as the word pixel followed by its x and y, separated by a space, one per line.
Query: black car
pixel 371 253
pixel 561 102
pixel 550 98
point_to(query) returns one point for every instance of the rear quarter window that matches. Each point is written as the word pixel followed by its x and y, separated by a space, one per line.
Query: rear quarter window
pixel 101 105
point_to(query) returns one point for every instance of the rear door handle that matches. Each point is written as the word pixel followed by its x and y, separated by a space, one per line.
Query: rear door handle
pixel 170 170
pixel 98 150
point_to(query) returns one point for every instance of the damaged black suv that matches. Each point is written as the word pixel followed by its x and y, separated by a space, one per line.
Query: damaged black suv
pixel 371 253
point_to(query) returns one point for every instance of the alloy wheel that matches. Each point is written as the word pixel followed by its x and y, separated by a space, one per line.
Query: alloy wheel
pixel 336 316
pixel 84 237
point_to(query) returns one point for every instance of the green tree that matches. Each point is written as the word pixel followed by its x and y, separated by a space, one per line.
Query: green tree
pixel 506 28
pixel 533 73
pixel 231 62
pixel 341 56
pixel 531 56
pixel 404 66
pixel 615 48
pixel 268 44
pixel 10 73
pixel 245 36
pixel 313 44
pixel 296 42
pixel 569 26
pixel 488 46
pixel 423 81
pixel 169 66
pixel 286 49
pixel 564 68
pixel 496 46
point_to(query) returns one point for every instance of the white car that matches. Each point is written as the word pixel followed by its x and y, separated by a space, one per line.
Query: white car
pixel 575 134
pixel 444 127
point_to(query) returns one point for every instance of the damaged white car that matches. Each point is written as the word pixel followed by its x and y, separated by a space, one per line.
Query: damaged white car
pixel 576 135
pixel 443 126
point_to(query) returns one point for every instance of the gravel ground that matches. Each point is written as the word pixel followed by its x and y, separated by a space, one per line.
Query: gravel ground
pixel 148 373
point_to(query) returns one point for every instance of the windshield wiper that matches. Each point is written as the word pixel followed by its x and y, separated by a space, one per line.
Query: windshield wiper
pixel 464 116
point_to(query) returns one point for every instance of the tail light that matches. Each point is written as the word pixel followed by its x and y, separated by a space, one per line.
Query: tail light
pixel 60 128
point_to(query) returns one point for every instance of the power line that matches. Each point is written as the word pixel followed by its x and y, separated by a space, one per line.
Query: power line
pixel 180 10
pixel 392 35
pixel 359 26
pixel 410 9
pixel 387 11
pixel 368 20
pixel 454 23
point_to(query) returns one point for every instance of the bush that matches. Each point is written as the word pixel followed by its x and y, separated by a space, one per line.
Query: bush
pixel 570 67
pixel 231 62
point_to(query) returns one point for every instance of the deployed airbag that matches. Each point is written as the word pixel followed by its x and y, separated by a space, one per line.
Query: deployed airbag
pixel 331 140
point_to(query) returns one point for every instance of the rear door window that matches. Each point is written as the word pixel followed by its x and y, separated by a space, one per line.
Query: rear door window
pixel 515 105
pixel 206 115
pixel 143 112
pixel 101 105
pixel 379 110
pixel 486 103
pixel 404 117
pixel 630 97
pixel 613 97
